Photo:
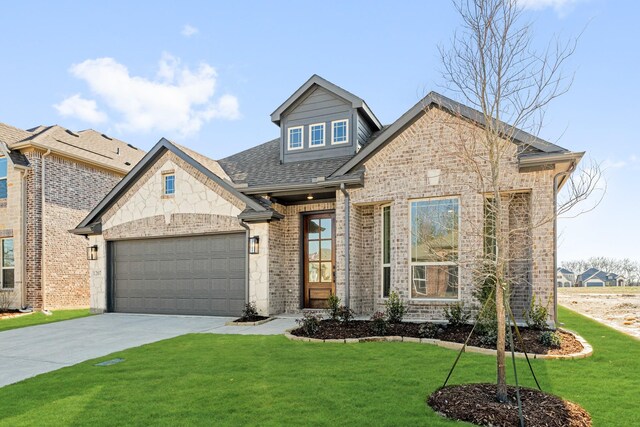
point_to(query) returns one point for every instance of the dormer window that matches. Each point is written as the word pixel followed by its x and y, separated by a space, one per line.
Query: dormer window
pixel 295 138
pixel 317 135
pixel 340 132
pixel 168 184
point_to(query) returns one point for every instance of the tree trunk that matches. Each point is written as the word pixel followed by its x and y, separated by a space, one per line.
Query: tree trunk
pixel 501 395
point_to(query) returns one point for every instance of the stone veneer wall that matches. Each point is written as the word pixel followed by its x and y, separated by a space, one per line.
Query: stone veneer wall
pixel 422 162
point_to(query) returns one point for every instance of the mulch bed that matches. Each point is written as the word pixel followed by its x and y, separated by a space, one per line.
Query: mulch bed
pixel 331 329
pixel 251 319
pixel 477 404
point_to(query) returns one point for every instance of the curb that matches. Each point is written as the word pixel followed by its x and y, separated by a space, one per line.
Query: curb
pixel 587 349
pixel 259 322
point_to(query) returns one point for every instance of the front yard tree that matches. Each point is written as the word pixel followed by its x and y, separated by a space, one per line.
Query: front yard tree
pixel 493 66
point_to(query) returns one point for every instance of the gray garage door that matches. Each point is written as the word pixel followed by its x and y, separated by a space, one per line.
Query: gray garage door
pixel 180 275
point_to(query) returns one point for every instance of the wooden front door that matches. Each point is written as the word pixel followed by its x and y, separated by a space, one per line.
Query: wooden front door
pixel 318 259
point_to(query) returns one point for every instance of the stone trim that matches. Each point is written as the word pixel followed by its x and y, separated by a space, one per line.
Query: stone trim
pixel 6 233
pixel 587 350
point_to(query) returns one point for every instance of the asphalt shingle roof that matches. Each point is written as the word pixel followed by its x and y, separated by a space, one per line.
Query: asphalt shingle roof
pixel 88 144
pixel 261 165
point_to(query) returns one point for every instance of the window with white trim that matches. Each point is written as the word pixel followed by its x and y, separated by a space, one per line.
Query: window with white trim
pixel 340 132
pixel 168 183
pixel 3 178
pixel 316 132
pixel 386 251
pixel 8 264
pixel 434 248
pixel 295 137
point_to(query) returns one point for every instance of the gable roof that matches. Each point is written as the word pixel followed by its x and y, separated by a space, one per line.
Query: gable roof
pixel 433 99
pixel 260 166
pixel 565 271
pixel 316 80
pixel 86 146
pixel 91 224
pixel 594 273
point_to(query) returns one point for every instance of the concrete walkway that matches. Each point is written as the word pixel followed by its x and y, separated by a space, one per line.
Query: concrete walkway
pixel 30 351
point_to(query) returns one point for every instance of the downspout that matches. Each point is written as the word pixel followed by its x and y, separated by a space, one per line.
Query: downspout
pixel 246 267
pixel 43 231
pixel 347 215
pixel 555 238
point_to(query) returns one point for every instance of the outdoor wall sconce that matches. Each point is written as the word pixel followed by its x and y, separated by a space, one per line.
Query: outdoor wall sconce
pixel 254 245
pixel 92 252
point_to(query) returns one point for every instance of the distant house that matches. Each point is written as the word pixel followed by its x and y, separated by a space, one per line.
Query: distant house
pixel 565 278
pixel 595 277
pixel 50 178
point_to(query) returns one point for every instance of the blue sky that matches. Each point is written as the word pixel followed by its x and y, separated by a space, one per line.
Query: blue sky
pixel 208 74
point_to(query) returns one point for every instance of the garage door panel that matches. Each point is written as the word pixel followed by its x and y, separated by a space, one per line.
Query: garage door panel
pixel 202 275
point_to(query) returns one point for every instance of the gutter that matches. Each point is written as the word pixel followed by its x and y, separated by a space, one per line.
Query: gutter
pixel 354 180
pixel 43 229
pixel 347 214
pixel 566 173
pixel 536 160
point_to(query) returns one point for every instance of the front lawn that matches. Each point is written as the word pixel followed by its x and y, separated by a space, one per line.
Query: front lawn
pixel 206 379
pixel 40 318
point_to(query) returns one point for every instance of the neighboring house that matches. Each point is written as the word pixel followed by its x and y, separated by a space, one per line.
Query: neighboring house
pixel 330 206
pixel 50 178
pixel 595 277
pixel 565 278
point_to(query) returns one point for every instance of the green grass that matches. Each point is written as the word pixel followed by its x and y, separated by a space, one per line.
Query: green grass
pixel 39 318
pixel 256 380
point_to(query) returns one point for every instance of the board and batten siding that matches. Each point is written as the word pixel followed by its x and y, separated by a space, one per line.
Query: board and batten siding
pixel 320 106
pixel 363 129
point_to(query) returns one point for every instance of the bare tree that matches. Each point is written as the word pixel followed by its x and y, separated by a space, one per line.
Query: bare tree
pixel 492 65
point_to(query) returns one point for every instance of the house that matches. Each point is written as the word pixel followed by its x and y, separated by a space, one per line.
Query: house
pixel 565 278
pixel 332 205
pixel 596 277
pixel 50 178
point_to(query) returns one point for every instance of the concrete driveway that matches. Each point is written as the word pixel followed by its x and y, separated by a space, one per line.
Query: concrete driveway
pixel 27 352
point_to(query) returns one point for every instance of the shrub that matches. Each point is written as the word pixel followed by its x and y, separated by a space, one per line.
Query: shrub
pixel 550 339
pixel 429 330
pixel 345 314
pixel 333 306
pixel 379 324
pixel 394 308
pixel 250 311
pixel 536 316
pixel 487 327
pixel 456 314
pixel 310 323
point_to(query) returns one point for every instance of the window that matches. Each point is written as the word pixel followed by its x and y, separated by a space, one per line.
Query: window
pixel 317 135
pixel 386 251
pixel 296 138
pixel 168 184
pixel 434 248
pixel 340 132
pixel 3 178
pixel 8 264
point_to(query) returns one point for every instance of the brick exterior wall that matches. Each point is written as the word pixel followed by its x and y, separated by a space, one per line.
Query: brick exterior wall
pixel 71 191
pixel 404 170
pixel 179 225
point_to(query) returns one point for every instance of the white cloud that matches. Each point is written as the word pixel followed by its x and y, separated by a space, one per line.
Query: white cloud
pixel 189 30
pixel 84 109
pixel 560 6
pixel 179 100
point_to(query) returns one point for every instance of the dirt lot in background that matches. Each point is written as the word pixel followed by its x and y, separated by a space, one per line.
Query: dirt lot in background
pixel 616 307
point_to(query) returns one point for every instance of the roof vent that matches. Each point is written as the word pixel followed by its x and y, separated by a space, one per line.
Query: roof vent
pixel 72 134
pixel 127 163
pixel 118 151
pixel 107 137
pixel 132 146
